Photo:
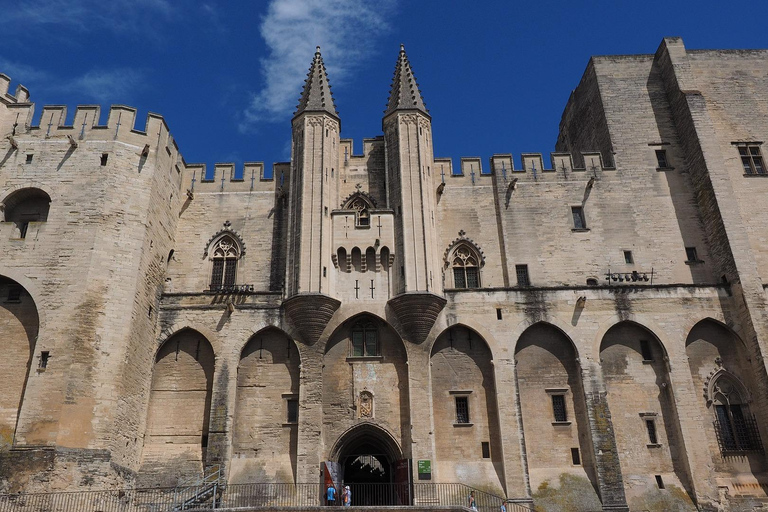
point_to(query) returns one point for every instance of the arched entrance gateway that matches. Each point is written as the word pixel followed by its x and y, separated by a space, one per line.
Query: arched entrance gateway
pixel 368 460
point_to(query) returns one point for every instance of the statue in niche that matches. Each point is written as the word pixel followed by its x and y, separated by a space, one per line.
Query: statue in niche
pixel 366 404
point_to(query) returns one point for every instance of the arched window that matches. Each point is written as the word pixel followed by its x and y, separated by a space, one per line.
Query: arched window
pixel 225 253
pixel 736 428
pixel 364 339
pixel 362 204
pixel 466 268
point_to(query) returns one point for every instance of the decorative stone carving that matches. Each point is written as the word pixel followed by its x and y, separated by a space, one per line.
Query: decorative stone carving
pixel 215 242
pixel 366 404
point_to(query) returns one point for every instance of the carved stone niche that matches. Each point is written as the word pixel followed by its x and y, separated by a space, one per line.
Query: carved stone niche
pixel 365 407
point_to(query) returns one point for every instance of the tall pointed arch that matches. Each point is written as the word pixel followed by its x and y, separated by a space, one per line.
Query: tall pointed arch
pixel 463 260
pixel 362 203
pixel 224 250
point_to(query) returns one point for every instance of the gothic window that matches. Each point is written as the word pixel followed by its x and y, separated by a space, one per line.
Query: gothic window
pixel 736 428
pixel 225 253
pixel 362 206
pixel 466 268
pixel 365 340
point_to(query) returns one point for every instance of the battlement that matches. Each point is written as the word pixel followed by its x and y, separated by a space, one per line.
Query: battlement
pixel 225 178
pixel 20 96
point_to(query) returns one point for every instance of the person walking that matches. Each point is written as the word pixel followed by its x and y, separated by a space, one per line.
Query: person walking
pixel 330 496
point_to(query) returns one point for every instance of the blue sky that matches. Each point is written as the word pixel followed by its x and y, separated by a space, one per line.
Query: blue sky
pixel 227 74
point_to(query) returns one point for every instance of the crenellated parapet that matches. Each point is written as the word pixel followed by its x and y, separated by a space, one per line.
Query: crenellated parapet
pixel 226 178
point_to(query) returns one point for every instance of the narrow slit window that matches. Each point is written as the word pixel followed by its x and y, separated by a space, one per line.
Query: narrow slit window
pixel 44 356
pixel 579 222
pixel 293 410
pixel 498 313
pixel 645 350
pixel 650 426
pixel 661 159
pixel 690 253
pixel 628 257
pixel 29 158
pixel 558 408
pixel 486 448
pixel 462 409
pixel 659 482
pixel 575 457
pixel 104 157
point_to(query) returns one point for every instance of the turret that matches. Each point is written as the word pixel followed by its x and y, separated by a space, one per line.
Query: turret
pixel 314 193
pixel 407 129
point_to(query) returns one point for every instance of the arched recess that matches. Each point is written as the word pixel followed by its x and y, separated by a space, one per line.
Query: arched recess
pixel 466 416
pixel 24 207
pixel 19 326
pixel 366 454
pixel 720 367
pixel 642 405
pixel 554 411
pixel 365 380
pixel 179 409
pixel 267 410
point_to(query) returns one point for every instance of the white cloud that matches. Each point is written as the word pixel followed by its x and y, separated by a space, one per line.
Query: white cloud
pixel 113 15
pixel 344 29
pixel 99 85
pixel 105 85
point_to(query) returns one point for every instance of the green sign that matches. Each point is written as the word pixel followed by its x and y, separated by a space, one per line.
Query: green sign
pixel 425 467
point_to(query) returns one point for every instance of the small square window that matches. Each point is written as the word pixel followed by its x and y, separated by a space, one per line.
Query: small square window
pixel 558 408
pixel 628 257
pixel 462 409
pixel 751 159
pixel 486 447
pixel 690 253
pixel 522 275
pixel 292 405
pixel 661 158
pixel 14 294
pixel 29 158
pixel 104 157
pixel 579 222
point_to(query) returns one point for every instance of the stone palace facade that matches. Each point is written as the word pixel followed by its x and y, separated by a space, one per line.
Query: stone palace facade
pixel 587 330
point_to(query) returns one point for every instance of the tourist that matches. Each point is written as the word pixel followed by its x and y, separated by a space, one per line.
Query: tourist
pixel 346 498
pixel 330 496
pixel 472 502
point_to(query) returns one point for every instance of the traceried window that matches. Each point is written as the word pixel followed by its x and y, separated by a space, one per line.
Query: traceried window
pixel 365 340
pixel 751 159
pixel 362 208
pixel 466 271
pixel 225 254
pixel 736 428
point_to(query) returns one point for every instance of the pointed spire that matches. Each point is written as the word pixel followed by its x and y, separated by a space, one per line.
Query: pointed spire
pixel 316 95
pixel 405 93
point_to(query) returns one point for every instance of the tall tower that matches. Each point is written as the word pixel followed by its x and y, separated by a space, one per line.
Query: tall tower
pixel 313 194
pixel 408 148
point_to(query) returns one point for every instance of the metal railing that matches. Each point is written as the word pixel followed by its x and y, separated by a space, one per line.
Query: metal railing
pixel 208 496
